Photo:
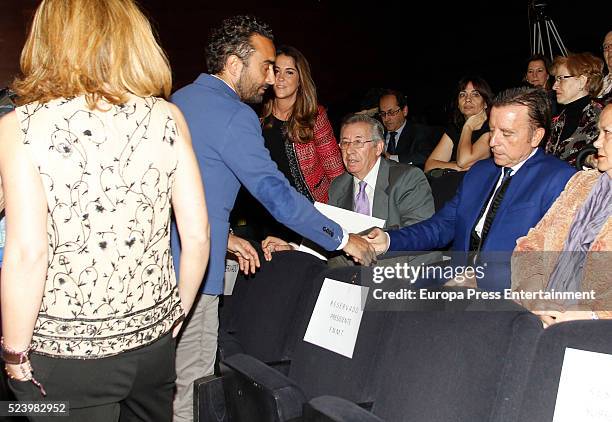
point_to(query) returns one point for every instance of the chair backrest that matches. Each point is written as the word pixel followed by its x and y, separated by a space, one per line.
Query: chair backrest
pixel 321 372
pixel 540 393
pixel 257 318
pixel 526 331
pixel 441 366
pixel 444 184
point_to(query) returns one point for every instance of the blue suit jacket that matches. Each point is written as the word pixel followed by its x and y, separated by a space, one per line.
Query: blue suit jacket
pixel 533 189
pixel 227 140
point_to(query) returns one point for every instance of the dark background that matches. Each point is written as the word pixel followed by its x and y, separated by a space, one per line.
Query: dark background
pixel 421 47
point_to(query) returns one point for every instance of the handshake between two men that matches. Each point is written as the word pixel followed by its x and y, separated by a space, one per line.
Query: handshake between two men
pixel 362 247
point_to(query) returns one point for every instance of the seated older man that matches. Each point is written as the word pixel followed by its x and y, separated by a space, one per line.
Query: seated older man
pixel 500 198
pixel 397 193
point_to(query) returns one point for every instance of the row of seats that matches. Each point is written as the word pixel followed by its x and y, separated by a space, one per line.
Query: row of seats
pixel 434 361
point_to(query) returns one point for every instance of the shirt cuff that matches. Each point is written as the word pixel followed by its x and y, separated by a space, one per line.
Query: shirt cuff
pixel 345 238
pixel 388 242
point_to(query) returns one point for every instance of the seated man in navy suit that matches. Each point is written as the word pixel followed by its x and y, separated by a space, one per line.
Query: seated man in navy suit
pixel 500 198
pixel 405 141
pixel 394 192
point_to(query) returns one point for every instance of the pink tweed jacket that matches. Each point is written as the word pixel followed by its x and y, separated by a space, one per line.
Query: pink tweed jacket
pixel 531 271
pixel 320 160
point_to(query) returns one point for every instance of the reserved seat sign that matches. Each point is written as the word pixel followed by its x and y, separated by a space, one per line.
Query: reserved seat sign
pixel 335 320
pixel 585 391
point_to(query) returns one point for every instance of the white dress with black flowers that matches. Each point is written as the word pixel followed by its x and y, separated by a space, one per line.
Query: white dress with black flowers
pixel 108 178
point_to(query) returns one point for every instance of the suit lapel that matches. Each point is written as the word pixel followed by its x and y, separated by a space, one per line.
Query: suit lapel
pixel 480 192
pixel 521 177
pixel 346 200
pixel 380 208
pixel 406 139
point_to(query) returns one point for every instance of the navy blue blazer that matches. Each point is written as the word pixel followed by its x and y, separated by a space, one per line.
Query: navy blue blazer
pixel 227 140
pixel 533 189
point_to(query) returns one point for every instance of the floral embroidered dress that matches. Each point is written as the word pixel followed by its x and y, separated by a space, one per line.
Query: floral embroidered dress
pixel 108 178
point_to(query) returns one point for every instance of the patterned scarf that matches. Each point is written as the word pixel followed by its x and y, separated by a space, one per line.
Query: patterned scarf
pixel 568 273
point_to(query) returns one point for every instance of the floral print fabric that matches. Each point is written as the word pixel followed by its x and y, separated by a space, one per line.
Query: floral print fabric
pixel 108 178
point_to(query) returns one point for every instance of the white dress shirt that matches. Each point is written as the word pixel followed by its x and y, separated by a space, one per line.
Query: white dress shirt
pixel 515 168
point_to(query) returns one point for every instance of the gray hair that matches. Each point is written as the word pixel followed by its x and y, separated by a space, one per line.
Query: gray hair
pixel 377 131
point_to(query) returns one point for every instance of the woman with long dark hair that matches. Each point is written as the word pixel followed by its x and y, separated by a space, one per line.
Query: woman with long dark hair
pixel 296 128
pixel 299 136
pixel 466 137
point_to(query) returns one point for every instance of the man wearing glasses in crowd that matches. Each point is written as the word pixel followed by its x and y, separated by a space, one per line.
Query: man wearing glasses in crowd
pixel 405 141
pixel 375 186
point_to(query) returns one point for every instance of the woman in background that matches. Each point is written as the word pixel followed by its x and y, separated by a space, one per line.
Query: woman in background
pixel 538 75
pixel 578 79
pixel 466 138
pixel 91 162
pixel 296 129
pixel 299 136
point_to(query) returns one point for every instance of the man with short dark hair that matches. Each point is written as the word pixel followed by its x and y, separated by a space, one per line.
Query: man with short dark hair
pixel 405 141
pixel 228 143
pixel 500 198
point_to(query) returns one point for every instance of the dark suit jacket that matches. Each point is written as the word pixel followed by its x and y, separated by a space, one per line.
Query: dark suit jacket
pixel 416 143
pixel 407 201
pixel 230 148
pixel 531 192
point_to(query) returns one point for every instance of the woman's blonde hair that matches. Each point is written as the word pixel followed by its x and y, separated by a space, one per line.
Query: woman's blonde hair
pixel 100 48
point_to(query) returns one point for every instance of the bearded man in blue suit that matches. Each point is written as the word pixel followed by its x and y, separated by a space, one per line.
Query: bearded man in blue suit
pixel 230 149
pixel 500 198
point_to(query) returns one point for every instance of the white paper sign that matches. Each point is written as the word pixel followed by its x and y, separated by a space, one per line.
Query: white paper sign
pixel 336 317
pixel 585 387
pixel 231 273
pixel 351 221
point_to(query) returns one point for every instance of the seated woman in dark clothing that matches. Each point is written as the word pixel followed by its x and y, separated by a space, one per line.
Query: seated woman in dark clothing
pixel 465 139
pixel 578 79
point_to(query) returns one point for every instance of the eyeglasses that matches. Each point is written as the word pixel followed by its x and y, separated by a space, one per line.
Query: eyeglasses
pixel 563 77
pixel 606 47
pixel 389 113
pixel 355 144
